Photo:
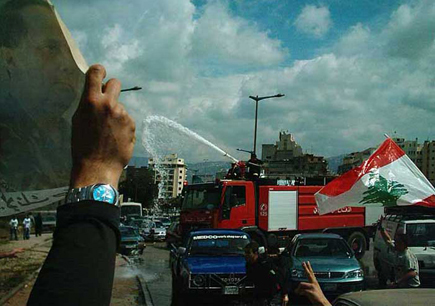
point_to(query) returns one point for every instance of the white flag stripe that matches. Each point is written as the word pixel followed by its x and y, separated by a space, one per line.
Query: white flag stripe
pixel 402 170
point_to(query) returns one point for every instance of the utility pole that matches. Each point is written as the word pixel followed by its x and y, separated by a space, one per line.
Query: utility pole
pixel 256 99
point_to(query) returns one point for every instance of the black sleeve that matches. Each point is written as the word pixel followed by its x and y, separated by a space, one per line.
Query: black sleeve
pixel 80 266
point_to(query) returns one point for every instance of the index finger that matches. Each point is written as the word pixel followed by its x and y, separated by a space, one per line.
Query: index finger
pixel 94 79
pixel 309 272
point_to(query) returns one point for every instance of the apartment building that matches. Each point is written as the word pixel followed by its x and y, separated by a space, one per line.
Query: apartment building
pixel 172 171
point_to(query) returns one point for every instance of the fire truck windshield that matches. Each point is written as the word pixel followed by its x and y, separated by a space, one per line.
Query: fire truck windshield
pixel 202 198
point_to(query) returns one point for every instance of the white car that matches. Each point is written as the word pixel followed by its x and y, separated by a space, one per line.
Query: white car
pixel 157 231
pixel 420 230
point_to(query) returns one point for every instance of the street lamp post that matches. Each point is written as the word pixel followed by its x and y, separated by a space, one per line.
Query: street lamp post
pixel 256 99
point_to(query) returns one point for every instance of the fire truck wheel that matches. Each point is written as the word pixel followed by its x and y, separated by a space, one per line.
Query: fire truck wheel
pixel 358 243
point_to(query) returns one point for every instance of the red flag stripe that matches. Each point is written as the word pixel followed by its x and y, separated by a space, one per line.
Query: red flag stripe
pixel 387 152
pixel 428 202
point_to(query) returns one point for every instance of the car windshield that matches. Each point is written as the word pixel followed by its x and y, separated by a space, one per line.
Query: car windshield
pixel 130 210
pixel 208 198
pixel 321 247
pixel 128 231
pixel 218 245
pixel 421 235
pixel 158 224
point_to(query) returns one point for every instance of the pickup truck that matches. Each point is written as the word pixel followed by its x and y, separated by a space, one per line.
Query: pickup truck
pixel 211 262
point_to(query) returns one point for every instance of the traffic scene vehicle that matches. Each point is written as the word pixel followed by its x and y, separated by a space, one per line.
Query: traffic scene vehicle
pixel 131 209
pixel 387 297
pixel 131 241
pixel 157 231
pixel 263 208
pixel 419 226
pixel 210 262
pixel 336 268
pixel 173 234
pixel 48 220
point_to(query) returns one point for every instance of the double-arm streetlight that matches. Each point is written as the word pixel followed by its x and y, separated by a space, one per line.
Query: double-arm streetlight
pixel 256 99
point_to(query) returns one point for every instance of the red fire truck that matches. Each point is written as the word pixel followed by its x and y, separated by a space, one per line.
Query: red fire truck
pixel 261 208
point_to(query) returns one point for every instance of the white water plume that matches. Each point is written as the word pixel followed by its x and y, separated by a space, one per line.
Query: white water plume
pixel 162 136
pixel 153 141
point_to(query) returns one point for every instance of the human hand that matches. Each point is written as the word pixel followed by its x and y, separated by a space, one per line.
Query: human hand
pixel 392 285
pixel 312 289
pixel 103 134
pixel 284 300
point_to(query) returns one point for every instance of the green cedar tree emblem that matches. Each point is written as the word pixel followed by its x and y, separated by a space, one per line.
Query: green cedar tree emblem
pixel 383 191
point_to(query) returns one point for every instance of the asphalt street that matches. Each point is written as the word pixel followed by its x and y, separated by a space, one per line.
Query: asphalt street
pixel 153 266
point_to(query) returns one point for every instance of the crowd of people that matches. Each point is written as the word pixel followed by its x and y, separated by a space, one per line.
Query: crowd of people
pixel 28 222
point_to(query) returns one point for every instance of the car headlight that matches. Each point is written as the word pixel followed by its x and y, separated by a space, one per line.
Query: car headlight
pixel 199 280
pixel 354 274
pixel 298 273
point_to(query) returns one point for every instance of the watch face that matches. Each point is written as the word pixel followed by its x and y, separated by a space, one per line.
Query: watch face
pixel 104 193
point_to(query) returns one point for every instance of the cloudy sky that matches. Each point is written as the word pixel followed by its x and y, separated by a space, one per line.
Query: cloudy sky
pixel 351 70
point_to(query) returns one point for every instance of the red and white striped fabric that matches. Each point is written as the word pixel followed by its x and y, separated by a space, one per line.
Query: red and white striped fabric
pixel 388 177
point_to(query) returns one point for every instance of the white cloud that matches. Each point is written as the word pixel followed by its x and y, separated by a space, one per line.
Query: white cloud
pixel 314 20
pixel 355 41
pixel 228 39
pixel 370 82
pixel 410 32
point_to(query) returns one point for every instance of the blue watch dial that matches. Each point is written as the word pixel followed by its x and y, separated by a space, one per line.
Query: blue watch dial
pixel 104 193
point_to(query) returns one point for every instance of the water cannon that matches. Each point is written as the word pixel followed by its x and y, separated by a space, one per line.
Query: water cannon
pixel 229 156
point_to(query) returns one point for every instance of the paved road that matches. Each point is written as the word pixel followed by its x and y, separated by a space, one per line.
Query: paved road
pixel 154 268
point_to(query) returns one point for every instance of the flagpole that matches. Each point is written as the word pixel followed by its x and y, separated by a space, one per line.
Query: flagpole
pixel 386 135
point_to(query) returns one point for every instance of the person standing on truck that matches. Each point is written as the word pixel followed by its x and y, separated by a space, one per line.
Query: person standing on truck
pixel 405 263
pixel 265 277
pixel 254 165
pixel 234 172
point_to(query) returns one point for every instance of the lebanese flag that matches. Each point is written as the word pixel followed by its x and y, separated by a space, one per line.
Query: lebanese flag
pixel 388 177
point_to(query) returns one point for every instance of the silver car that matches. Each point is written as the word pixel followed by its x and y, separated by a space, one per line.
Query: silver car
pixel 157 231
pixel 333 262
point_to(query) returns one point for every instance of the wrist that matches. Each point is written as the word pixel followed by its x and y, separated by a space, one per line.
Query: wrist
pixel 90 173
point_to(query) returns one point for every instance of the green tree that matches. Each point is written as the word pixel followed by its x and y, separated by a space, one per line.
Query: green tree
pixel 383 191
pixel 139 186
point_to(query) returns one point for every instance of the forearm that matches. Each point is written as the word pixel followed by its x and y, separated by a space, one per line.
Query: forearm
pixel 80 266
pixel 406 277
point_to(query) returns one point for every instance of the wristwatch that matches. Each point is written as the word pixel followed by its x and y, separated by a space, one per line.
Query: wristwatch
pixel 98 192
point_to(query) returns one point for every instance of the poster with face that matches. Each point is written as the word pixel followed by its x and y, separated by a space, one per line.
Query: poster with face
pixel 41 80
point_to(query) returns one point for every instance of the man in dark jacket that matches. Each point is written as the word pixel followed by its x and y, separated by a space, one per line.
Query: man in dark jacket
pixel 265 276
pixel 38 225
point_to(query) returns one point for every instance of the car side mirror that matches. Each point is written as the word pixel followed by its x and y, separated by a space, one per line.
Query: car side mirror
pixel 181 250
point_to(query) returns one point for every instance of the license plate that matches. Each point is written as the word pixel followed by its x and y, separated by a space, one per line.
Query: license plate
pixel 329 287
pixel 130 246
pixel 228 290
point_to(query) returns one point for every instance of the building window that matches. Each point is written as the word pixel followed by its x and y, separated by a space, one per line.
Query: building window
pixel 180 177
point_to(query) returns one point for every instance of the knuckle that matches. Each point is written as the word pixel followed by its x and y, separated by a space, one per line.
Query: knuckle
pixel 96 68
pixel 93 98
pixel 114 81
pixel 117 112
